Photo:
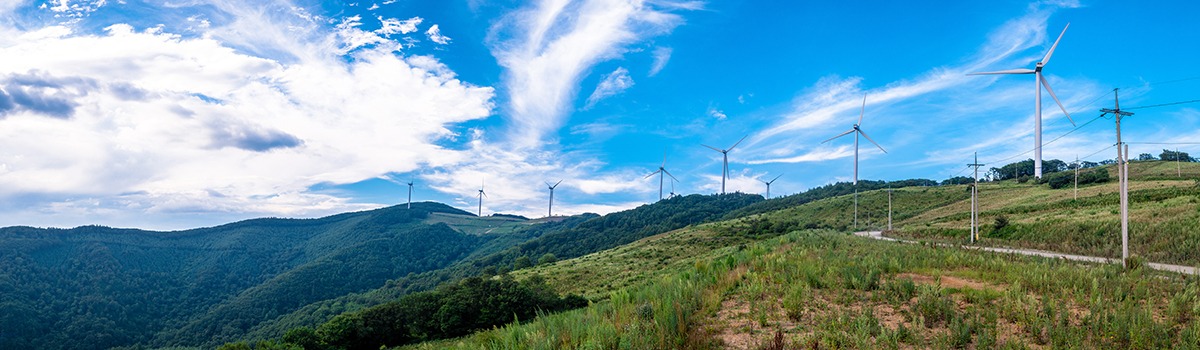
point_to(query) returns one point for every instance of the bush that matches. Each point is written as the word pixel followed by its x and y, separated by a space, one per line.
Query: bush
pixel 1067 178
pixel 1001 223
pixel 451 311
pixel 933 307
pixel 860 278
pixel 547 259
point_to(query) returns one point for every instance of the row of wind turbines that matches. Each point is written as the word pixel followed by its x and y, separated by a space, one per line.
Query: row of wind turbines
pixel 856 129
pixel 1039 81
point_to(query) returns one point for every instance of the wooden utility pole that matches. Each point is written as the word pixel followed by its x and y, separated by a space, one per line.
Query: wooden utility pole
pixel 1123 174
pixel 975 200
pixel 1076 177
pixel 889 208
pixel 1178 170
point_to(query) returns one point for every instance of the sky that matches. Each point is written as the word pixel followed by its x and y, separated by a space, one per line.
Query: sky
pixel 176 114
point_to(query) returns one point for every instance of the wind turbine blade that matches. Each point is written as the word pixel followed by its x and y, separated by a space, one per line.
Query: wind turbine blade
pixel 737 143
pixel 863 110
pixel 652 174
pixel 864 134
pixel 1046 59
pixel 709 147
pixel 1060 105
pixel 839 135
pixel 556 183
pixel 669 174
pixel 776 178
pixel 1010 71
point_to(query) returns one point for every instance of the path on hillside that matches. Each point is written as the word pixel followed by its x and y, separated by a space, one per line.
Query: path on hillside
pixel 1093 259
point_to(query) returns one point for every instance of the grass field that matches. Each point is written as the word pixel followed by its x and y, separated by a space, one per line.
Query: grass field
pixel 735 284
pixel 827 290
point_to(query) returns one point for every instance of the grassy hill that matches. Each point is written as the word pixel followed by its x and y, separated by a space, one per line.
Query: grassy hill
pixel 1164 214
pixel 730 284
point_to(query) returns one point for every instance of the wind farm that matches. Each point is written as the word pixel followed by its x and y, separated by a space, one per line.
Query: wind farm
pixel 289 175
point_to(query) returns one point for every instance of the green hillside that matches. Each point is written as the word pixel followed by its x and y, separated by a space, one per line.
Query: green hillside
pixel 98 287
pixel 561 239
pixel 728 284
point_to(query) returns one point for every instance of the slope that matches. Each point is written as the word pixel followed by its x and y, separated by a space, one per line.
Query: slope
pixel 567 238
pixel 98 287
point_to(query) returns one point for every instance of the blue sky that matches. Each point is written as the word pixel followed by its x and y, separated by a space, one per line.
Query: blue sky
pixel 169 115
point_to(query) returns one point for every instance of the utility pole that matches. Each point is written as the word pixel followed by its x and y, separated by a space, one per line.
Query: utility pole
pixel 856 203
pixel 1123 174
pixel 975 200
pixel 889 208
pixel 1076 177
pixel 1178 170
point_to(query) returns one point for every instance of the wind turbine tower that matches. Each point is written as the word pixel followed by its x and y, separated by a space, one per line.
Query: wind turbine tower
pixel 410 188
pixel 1040 82
pixel 768 183
pixel 481 196
pixel 550 211
pixel 857 131
pixel 662 170
pixel 725 161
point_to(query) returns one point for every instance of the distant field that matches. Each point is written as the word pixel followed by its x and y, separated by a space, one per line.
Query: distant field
pixel 474 225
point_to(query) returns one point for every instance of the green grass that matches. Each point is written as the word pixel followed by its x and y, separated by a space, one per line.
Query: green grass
pixel 795 287
pixel 1164 214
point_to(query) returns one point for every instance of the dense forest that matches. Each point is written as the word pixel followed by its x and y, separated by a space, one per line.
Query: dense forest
pixel 98 287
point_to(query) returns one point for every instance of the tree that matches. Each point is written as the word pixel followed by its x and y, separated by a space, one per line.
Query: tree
pixel 958 180
pixel 1173 156
pixel 547 259
pixel 522 262
pixel 1145 156
pixel 303 337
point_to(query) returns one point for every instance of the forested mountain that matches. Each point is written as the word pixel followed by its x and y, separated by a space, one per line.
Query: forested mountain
pixel 98 287
pixel 571 237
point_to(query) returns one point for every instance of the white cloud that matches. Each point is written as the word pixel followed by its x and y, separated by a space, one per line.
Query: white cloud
pixel 393 26
pixel 661 56
pixel 545 49
pixel 612 84
pixel 435 35
pixel 373 7
pixel 154 123
pixel 716 113
pixel 832 104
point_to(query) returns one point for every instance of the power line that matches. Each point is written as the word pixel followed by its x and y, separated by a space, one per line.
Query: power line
pixel 1165 104
pixel 1164 143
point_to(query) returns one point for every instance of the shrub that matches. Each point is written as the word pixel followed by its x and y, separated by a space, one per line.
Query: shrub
pixel 933 307
pixel 901 289
pixel 1001 223
pixel 860 278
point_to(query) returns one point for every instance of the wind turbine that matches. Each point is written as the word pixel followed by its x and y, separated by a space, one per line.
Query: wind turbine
pixel 725 160
pixel 769 185
pixel 550 211
pixel 481 196
pixel 1040 82
pixel 410 188
pixel 662 170
pixel 857 131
